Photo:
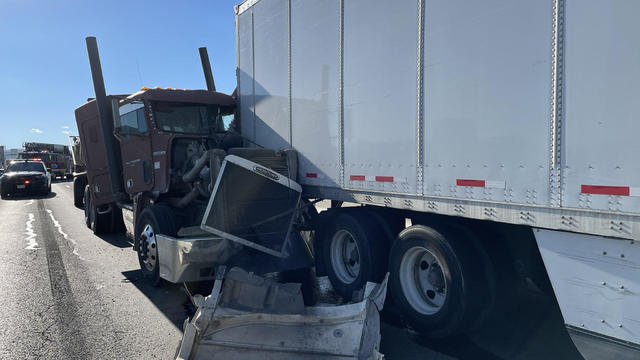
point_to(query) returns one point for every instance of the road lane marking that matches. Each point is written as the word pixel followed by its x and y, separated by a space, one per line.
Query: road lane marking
pixel 31 235
pixel 68 186
pixel 73 243
pixel 30 202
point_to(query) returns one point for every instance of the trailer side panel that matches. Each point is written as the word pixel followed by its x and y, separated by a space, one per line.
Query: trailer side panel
pixel 314 89
pixel 602 119
pixel 379 95
pixel 487 100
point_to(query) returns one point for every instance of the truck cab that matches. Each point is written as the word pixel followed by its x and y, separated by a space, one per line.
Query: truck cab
pixel 157 132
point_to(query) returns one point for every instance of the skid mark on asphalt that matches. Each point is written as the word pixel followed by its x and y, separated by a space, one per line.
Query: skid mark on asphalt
pixel 31 235
pixel 73 243
pixel 65 307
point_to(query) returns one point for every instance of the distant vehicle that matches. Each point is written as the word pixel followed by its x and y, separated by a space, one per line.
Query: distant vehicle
pixel 56 158
pixel 25 177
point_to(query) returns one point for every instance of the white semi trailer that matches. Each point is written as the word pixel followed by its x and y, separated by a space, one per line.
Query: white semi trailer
pixel 506 130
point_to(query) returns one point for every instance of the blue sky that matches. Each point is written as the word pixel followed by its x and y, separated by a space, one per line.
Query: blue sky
pixel 44 70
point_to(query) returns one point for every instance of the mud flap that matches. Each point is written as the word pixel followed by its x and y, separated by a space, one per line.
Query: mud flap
pixel 250 317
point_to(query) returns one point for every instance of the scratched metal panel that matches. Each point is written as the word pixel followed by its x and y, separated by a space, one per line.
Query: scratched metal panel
pixel 314 89
pixel 602 112
pixel 271 77
pixel 595 280
pixel 487 96
pixel 245 72
pixel 380 40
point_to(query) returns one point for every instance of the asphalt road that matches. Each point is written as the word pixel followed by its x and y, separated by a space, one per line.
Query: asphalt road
pixel 66 293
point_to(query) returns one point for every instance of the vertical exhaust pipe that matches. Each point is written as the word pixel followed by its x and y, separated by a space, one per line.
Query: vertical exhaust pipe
pixel 206 68
pixel 105 117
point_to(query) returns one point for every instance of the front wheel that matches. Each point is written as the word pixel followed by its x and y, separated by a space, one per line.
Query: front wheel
pixel 436 281
pixel 156 219
pixel 3 193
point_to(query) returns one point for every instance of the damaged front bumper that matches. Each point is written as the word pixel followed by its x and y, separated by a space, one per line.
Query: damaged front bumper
pixel 229 324
pixel 191 259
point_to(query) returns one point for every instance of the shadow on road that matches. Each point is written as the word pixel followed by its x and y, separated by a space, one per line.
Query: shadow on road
pixel 523 326
pixel 16 197
pixel 171 299
pixel 119 240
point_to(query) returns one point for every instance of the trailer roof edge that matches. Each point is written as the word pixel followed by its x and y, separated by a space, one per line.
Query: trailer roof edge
pixel 245 5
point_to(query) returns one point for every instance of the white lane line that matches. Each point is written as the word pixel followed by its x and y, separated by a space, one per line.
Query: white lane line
pixel 30 202
pixel 73 243
pixel 31 235
pixel 68 186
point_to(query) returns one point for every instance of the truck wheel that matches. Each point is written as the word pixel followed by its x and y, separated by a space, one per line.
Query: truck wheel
pixel 99 223
pixel 354 252
pixel 87 206
pixel 435 281
pixel 156 219
pixel 78 192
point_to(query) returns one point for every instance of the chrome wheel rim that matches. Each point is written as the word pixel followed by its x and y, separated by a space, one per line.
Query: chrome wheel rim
pixel 422 280
pixel 148 247
pixel 345 256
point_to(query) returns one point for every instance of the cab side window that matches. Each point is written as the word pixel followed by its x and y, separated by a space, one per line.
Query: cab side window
pixel 131 120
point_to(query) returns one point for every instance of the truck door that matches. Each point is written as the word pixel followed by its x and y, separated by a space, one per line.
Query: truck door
pixel 132 131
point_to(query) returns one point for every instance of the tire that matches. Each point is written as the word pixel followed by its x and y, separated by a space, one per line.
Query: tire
pixel 78 192
pixel 155 219
pixel 117 221
pixel 435 281
pixel 87 206
pixel 98 223
pixel 4 194
pixel 354 251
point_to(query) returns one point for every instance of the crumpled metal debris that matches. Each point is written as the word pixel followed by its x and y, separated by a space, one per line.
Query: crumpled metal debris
pixel 251 317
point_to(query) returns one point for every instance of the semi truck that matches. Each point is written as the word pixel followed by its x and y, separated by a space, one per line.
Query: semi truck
pixel 504 131
pixel 166 166
pixel 488 144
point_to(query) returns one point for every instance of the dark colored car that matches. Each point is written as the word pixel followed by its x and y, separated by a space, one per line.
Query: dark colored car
pixel 25 177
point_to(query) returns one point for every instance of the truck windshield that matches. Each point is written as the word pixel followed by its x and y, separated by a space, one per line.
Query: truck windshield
pixel 26 166
pixel 190 118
